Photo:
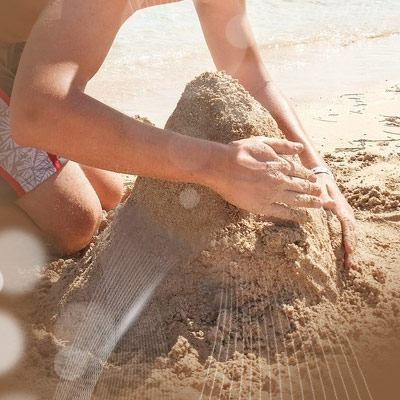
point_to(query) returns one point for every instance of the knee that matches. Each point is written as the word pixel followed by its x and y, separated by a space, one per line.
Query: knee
pixel 113 191
pixel 108 186
pixel 79 230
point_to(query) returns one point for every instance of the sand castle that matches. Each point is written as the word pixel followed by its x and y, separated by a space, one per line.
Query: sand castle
pixel 183 294
pixel 199 259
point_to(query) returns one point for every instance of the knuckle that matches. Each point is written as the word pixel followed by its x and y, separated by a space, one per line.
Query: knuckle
pixel 285 165
pixel 312 178
pixel 331 205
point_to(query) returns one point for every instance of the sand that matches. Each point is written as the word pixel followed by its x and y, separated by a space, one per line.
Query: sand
pixel 234 305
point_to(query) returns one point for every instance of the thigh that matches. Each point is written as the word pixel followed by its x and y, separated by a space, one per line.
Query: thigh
pixel 65 207
pixel 108 185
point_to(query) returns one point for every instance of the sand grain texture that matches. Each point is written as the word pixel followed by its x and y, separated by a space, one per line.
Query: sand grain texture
pixel 235 305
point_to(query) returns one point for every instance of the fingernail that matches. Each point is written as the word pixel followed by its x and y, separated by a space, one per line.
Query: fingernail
pixel 298 146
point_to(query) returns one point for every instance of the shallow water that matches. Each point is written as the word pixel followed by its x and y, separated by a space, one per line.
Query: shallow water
pixel 309 47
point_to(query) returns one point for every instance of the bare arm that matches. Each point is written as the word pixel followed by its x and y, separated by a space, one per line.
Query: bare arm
pixel 233 47
pixel 50 111
pixel 232 44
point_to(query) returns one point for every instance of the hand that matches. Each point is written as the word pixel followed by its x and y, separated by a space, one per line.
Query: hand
pixel 333 199
pixel 254 177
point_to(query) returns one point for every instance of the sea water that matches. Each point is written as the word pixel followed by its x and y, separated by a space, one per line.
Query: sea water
pixel 310 48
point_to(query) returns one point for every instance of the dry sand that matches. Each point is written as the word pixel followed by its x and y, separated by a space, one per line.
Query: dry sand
pixel 246 306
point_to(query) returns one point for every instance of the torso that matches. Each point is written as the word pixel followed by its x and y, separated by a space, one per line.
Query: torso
pixel 17 17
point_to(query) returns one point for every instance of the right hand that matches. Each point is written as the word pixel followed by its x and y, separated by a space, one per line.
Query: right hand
pixel 255 178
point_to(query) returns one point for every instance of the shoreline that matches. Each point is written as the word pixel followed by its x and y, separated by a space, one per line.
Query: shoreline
pixel 304 73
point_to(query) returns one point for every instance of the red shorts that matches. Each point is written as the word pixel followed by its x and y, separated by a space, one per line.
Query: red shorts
pixel 23 168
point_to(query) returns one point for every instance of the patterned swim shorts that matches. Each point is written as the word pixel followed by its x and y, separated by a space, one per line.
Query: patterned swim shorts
pixel 23 168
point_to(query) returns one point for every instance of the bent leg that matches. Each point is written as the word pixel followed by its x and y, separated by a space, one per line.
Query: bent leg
pixel 63 203
pixel 108 186
pixel 65 207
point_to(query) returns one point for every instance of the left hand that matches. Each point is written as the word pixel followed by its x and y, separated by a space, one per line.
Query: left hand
pixel 334 200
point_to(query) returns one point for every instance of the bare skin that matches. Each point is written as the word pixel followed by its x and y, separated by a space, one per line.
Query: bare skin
pixel 70 199
pixel 50 110
pixel 65 210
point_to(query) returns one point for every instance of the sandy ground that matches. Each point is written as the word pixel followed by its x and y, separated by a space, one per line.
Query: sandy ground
pixel 252 308
pixel 342 122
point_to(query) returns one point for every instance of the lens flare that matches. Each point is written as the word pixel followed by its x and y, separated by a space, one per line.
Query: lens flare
pixel 11 343
pixel 234 34
pixel 23 257
pixel 71 363
pixel 189 198
pixel 74 316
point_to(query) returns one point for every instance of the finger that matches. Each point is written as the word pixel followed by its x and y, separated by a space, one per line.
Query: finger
pixel 350 263
pixel 349 235
pixel 327 200
pixel 301 200
pixel 262 152
pixel 283 146
pixel 282 211
pixel 290 168
pixel 349 241
pixel 302 186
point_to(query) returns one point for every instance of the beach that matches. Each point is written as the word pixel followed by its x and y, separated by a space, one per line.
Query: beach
pixel 339 339
pixel 309 48
pixel 182 296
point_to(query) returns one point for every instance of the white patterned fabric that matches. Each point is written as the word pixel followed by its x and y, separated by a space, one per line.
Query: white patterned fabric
pixel 26 165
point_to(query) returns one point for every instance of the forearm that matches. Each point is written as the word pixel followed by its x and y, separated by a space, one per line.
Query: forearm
pixel 87 131
pixel 232 44
pixel 270 96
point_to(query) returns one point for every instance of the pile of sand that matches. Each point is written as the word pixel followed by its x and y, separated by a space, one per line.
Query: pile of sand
pixel 234 305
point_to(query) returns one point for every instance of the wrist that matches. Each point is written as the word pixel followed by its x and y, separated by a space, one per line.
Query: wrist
pixel 217 168
pixel 310 158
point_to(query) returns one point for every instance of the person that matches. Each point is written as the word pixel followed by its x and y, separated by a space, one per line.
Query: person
pixel 44 106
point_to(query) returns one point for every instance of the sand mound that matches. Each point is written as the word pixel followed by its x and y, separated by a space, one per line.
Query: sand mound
pixel 270 262
pixel 375 189
pixel 253 248
pixel 225 303
pixel 198 246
